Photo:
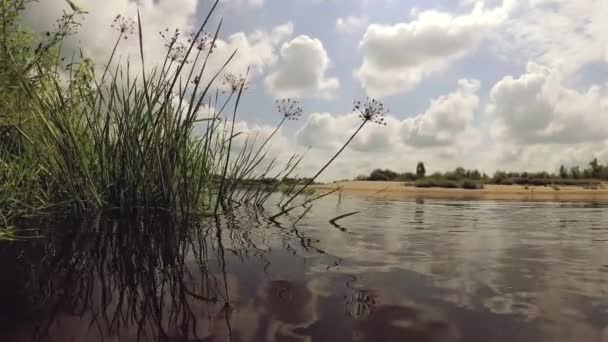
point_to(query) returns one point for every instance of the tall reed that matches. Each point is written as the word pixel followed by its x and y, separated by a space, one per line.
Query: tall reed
pixel 152 137
pixel 119 141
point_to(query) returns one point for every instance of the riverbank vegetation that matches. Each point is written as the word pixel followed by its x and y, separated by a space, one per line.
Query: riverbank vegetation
pixel 80 137
pixel 590 177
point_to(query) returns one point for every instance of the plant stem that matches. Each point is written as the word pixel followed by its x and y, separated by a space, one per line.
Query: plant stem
pixel 310 181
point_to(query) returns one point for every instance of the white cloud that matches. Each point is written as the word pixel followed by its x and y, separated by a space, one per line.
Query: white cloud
pixel 538 108
pixel 446 120
pixel 563 34
pixel 328 131
pixel 398 57
pixel 548 157
pixel 444 134
pixel 351 24
pixel 325 130
pixel 96 37
pixel 303 70
pixel 241 3
pixel 257 49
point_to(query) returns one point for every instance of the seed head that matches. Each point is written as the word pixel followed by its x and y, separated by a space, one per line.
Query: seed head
pixel 177 51
pixel 124 25
pixel 370 110
pixel 236 82
pixel 170 39
pixel 203 42
pixel 290 108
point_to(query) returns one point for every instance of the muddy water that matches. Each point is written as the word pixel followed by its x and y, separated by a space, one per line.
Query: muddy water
pixel 396 271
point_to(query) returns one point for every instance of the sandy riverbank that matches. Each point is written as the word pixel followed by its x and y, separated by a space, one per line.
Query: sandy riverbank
pixel 397 190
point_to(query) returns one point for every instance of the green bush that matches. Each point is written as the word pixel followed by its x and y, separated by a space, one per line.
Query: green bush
pixel 437 183
pixel 471 185
pixel 383 175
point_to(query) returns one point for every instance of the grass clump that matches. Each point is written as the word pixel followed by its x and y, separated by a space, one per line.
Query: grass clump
pixel 126 137
pixel 437 183
pixel 448 184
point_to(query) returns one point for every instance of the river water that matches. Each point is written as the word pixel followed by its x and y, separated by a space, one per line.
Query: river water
pixel 396 271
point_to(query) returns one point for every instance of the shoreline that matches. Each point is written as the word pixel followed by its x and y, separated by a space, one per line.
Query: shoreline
pixel 398 190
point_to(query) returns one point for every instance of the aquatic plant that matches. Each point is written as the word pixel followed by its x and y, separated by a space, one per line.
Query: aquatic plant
pixel 119 141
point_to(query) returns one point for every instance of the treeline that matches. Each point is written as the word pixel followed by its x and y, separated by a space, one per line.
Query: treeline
pixel 389 175
pixel 474 179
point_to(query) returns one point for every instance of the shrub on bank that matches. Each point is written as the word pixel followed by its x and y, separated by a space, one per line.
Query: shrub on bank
pixel 437 183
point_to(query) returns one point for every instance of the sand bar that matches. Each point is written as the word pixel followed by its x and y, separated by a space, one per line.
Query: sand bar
pixel 399 190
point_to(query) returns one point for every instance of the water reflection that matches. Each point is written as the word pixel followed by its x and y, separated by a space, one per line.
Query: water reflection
pixel 398 271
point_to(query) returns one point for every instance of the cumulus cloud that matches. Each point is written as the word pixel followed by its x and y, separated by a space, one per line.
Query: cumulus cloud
pixel 256 50
pixel 538 157
pixel 95 38
pixel 538 108
pixel 303 70
pixel 351 24
pixel 241 3
pixel 563 34
pixel 446 120
pixel 442 135
pixel 398 57
pixel 328 131
pixel 325 130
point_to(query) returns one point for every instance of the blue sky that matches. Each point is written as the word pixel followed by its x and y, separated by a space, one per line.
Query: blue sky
pixel 495 84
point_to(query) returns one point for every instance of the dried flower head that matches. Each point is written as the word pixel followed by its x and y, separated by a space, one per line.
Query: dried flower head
pixel 170 39
pixel 67 24
pixel 236 82
pixel 290 108
pixel 370 110
pixel 177 51
pixel 203 42
pixel 124 25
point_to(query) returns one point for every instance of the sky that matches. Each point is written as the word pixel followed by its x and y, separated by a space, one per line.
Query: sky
pixel 489 85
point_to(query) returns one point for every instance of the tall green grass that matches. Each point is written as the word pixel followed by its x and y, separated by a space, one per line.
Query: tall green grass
pixel 124 139
pixel 152 137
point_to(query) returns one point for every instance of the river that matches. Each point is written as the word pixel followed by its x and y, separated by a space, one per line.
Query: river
pixel 415 270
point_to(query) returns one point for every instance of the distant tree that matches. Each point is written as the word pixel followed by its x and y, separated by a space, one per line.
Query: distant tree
pixel 420 170
pixel 563 172
pixel 587 173
pixel 603 173
pixel 543 175
pixel 475 175
pixel 575 172
pixel 499 176
pixel 596 168
pixel 408 176
pixel 383 175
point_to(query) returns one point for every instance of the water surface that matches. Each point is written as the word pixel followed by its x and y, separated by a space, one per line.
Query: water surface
pixel 396 271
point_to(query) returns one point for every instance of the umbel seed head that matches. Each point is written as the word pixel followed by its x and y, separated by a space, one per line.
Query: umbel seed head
pixel 290 108
pixel 203 42
pixel 370 110
pixel 236 82
pixel 124 25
